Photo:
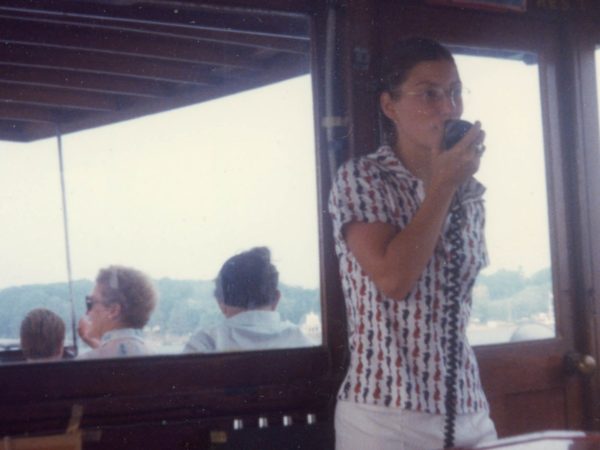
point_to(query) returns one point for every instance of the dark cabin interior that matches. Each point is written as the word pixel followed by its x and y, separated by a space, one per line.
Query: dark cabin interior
pixel 92 63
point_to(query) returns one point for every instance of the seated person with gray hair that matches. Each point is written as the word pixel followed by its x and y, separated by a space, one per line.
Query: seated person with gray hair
pixel 117 310
pixel 42 335
pixel 246 292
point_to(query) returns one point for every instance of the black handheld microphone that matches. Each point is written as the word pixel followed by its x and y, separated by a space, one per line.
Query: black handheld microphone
pixel 454 130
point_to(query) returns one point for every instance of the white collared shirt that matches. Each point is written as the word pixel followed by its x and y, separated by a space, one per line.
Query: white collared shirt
pixel 399 349
pixel 248 330
pixel 119 343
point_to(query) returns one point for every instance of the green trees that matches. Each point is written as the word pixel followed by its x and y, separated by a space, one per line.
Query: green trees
pixel 16 302
pixel 188 305
pixel 184 305
pixel 509 295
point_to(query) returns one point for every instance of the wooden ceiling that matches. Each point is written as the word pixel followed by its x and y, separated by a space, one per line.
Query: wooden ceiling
pixel 72 65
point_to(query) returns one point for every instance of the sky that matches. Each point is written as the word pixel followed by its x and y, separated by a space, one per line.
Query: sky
pixel 175 194
pixel 505 97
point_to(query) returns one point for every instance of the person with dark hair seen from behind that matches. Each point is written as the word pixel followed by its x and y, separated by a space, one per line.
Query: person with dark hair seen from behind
pixel 42 335
pixel 247 294
pixel 409 235
pixel 118 308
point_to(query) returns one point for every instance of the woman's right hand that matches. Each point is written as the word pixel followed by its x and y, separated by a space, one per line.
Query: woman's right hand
pixel 450 168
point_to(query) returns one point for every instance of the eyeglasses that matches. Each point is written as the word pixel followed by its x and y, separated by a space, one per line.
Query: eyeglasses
pixel 435 95
pixel 90 302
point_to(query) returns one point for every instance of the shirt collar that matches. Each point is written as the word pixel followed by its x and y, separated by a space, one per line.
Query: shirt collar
pixel 386 156
pixel 254 315
pixel 471 189
pixel 121 333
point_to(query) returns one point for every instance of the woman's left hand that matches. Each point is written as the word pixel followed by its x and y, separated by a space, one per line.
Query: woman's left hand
pixel 452 167
pixel 84 330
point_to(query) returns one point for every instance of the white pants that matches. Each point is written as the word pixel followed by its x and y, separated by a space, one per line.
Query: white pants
pixel 368 427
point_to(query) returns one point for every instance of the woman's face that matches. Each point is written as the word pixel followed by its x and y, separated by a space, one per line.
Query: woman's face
pixel 103 316
pixel 428 97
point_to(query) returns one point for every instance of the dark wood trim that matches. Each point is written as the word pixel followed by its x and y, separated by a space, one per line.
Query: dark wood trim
pixel 178 387
pixel 183 97
pixel 244 17
pixel 57 38
pixel 81 61
pixel 522 364
pixel 53 98
pixel 582 39
pixel 9 111
pixel 332 300
pixel 140 56
pixel 197 33
pixel 528 388
pixel 455 26
pixel 80 81
pixel 362 54
pixel 13 131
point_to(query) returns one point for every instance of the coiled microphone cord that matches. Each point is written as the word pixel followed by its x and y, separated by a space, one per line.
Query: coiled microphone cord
pixel 452 295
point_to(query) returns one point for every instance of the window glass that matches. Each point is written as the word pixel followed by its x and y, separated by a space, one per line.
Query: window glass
pixel 175 195
pixel 33 270
pixel 512 298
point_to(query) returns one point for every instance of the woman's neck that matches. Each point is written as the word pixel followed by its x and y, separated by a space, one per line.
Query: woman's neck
pixel 415 158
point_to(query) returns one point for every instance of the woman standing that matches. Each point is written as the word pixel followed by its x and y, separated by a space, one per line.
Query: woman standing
pixel 408 224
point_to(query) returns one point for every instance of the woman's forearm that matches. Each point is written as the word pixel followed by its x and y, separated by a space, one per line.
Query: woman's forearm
pixel 396 259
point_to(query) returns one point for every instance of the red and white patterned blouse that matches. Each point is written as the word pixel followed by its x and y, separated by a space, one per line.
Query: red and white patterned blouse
pixel 399 349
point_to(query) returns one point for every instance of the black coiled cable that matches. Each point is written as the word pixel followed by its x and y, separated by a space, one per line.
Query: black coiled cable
pixel 452 294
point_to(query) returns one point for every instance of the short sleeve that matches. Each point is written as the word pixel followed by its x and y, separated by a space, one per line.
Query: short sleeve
pixel 358 194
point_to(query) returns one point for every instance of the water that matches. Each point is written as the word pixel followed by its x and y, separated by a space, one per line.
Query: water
pixel 503 333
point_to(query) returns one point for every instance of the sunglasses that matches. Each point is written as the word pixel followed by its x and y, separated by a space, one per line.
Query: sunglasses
pixel 89 302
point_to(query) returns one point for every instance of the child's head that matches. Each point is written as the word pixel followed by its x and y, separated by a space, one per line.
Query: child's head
pixel 42 335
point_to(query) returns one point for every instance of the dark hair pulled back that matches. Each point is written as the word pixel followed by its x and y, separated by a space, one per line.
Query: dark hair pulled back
pixel 248 280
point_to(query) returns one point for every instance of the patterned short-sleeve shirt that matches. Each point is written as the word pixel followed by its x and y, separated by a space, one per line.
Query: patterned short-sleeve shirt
pixel 399 348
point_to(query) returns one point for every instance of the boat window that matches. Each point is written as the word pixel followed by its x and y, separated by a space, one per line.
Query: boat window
pixel 174 193
pixel 512 299
pixel 178 193
pixel 32 266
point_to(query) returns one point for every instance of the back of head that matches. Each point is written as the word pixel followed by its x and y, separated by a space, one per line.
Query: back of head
pixel 132 290
pixel 248 280
pixel 42 334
